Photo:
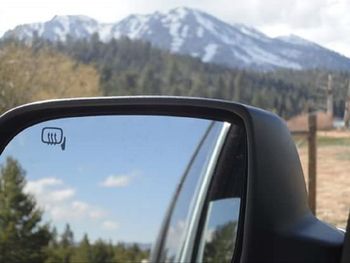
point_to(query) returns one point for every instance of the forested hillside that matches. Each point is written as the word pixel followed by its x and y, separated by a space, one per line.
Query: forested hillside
pixel 129 67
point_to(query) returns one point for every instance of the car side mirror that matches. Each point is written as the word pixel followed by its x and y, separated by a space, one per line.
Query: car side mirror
pixel 229 175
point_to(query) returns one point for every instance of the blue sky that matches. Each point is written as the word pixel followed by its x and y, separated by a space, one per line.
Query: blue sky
pixel 116 176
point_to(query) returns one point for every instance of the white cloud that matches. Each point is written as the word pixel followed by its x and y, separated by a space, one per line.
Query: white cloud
pixel 117 181
pixel 176 232
pixel 38 186
pixel 46 192
pixel 80 206
pixel 59 202
pixel 75 211
pixel 61 195
pixel 96 214
pixel 61 205
pixel 110 225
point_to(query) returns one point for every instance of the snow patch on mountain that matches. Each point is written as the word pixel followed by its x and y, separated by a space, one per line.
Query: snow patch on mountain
pixel 240 56
pixel 194 54
pixel 184 31
pixel 138 24
pixel 209 52
pixel 249 31
pixel 291 53
pixel 181 12
pixel 205 23
pixel 200 31
pixel 258 54
pixel 105 32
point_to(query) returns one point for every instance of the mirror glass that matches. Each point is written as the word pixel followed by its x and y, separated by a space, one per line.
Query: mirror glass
pixel 220 231
pixel 101 182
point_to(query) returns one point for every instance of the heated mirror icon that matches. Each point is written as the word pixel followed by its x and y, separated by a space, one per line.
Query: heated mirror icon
pixel 53 136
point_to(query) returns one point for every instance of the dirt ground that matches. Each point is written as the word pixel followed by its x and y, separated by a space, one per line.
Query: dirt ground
pixel 333 175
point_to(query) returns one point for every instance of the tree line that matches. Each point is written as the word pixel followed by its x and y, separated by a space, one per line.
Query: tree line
pixel 66 250
pixel 25 237
pixel 133 67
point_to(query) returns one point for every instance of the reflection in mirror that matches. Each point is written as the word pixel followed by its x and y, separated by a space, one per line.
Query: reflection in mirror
pixel 193 180
pixel 84 188
pixel 220 231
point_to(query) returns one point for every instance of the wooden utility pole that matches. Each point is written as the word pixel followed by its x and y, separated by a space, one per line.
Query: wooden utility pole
pixel 330 96
pixel 312 147
pixel 347 109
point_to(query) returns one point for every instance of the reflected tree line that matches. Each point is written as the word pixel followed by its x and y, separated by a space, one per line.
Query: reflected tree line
pixel 221 246
pixel 24 237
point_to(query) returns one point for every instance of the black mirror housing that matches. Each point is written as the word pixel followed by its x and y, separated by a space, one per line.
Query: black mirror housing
pixel 277 225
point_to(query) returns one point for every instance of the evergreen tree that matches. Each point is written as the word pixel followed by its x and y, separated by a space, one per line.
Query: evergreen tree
pixel 53 251
pixel 222 244
pixel 83 252
pixel 22 236
pixel 101 253
pixel 66 245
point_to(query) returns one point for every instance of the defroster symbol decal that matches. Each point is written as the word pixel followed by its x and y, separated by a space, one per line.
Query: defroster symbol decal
pixel 53 136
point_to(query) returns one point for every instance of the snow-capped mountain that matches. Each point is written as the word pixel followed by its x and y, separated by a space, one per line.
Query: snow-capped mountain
pixel 192 32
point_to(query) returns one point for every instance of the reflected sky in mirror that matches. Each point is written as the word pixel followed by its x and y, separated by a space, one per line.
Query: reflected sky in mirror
pixel 116 175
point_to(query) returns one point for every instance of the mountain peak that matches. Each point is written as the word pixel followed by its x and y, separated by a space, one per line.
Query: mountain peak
pixel 77 19
pixel 180 10
pixel 196 33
